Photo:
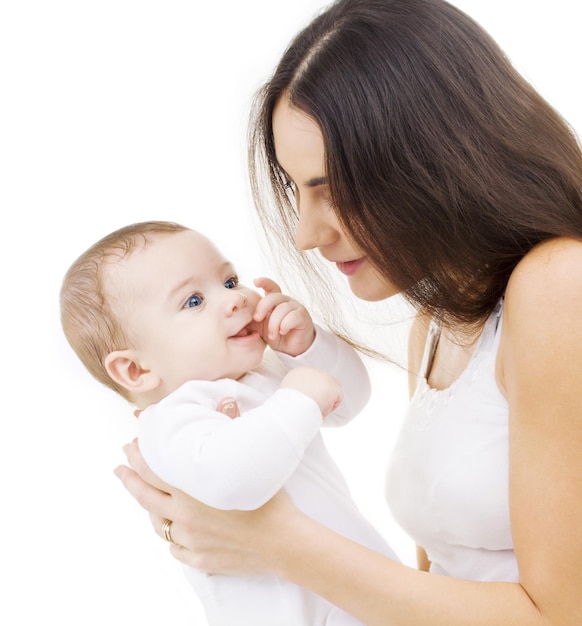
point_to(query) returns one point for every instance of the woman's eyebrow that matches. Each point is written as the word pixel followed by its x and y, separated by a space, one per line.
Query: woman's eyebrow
pixel 318 181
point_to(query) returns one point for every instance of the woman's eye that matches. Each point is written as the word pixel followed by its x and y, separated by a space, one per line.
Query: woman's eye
pixel 231 283
pixel 327 201
pixel 193 301
pixel 292 193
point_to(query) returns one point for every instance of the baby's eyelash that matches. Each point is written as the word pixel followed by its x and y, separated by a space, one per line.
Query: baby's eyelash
pixel 232 279
pixel 194 301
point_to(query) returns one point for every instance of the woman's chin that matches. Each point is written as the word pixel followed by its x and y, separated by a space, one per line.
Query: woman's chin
pixel 371 288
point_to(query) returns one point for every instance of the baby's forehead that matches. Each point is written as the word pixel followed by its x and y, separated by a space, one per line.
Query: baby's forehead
pixel 174 254
pixel 196 245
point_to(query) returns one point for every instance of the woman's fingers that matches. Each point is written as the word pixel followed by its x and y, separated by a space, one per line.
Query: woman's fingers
pixel 137 462
pixel 162 507
pixel 173 514
pixel 150 498
pixel 184 555
pixel 208 539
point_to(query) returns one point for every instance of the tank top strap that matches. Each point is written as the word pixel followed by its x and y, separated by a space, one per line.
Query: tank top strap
pixel 491 332
pixel 496 319
pixel 430 346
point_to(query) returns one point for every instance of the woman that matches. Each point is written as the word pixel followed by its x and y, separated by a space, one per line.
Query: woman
pixel 399 142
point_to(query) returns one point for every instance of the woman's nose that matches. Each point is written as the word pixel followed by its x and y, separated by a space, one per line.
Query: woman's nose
pixel 235 301
pixel 316 228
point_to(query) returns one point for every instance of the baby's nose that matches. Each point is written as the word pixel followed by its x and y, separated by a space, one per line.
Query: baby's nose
pixel 236 300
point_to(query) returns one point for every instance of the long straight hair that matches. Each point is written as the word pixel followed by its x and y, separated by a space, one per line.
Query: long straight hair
pixel 444 164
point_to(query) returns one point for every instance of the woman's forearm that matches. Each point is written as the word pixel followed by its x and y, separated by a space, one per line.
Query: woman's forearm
pixel 279 539
pixel 379 591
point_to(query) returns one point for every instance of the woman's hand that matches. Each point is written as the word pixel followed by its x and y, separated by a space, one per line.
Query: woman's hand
pixel 214 541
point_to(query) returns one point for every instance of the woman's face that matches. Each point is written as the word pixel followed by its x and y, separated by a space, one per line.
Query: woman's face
pixel 300 152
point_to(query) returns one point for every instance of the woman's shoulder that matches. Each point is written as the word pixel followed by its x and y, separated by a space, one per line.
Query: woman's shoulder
pixel 555 249
pixel 551 269
pixel 543 301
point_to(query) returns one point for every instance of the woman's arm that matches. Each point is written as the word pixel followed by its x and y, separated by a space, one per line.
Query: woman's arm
pixel 279 539
pixel 541 370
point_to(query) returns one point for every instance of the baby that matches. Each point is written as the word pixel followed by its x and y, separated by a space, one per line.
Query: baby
pixel 156 313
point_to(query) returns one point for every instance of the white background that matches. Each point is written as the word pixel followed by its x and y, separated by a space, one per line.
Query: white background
pixel 119 111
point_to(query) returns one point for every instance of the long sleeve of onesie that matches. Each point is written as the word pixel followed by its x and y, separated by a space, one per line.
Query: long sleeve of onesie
pixel 336 357
pixel 242 463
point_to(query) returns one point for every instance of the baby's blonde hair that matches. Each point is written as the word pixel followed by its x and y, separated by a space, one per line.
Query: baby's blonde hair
pixel 90 323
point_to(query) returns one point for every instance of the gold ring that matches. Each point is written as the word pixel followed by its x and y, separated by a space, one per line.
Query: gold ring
pixel 166 531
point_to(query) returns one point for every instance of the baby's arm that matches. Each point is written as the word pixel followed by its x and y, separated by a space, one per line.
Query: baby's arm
pixel 337 357
pixel 330 353
pixel 290 332
pixel 320 386
pixel 240 463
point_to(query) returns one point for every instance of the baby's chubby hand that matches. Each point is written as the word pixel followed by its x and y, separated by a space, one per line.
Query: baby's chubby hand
pixel 286 326
pixel 322 387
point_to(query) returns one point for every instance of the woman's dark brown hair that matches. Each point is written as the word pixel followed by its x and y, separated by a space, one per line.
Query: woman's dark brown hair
pixel 444 164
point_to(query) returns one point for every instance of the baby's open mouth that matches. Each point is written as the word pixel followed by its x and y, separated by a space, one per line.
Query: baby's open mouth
pixel 246 331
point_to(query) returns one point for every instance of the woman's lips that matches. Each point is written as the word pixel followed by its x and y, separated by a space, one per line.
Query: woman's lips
pixel 349 268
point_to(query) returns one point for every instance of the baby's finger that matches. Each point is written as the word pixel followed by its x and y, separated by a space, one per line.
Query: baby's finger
pixel 266 305
pixel 267 285
pixel 276 325
pixel 229 407
pixel 293 320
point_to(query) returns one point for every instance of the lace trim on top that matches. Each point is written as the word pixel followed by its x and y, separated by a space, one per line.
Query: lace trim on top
pixel 426 399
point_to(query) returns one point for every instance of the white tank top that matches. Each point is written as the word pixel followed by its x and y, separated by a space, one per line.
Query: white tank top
pixel 448 478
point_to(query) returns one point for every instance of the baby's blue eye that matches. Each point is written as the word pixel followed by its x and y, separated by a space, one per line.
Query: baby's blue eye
pixel 231 283
pixel 193 301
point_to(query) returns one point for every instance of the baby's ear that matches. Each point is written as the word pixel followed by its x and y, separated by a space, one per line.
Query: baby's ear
pixel 125 369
